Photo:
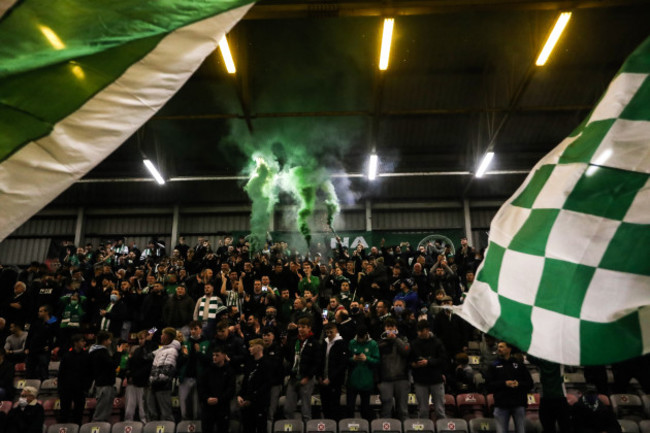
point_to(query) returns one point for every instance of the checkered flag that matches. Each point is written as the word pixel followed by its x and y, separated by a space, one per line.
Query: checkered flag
pixel 566 276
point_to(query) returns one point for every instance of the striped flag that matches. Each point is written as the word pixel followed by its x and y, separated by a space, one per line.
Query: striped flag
pixel 78 77
pixel 566 275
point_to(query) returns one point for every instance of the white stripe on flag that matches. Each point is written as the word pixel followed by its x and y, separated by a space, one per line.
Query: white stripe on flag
pixel 482 309
pixel 43 169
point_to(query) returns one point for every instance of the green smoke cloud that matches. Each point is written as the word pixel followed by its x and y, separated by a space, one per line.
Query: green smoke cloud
pixel 331 201
pixel 262 190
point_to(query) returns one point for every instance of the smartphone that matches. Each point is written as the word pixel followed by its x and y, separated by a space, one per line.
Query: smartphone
pixel 153 330
pixel 324 314
pixel 265 289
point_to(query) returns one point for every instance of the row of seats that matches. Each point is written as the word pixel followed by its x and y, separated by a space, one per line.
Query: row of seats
pixel 348 425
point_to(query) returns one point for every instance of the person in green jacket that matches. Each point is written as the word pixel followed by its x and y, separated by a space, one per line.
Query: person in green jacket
pixel 364 357
pixel 309 281
pixel 73 314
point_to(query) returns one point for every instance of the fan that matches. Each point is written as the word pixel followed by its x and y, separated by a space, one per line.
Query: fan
pixel 440 242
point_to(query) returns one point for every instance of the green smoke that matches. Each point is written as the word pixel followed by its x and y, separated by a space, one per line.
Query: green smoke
pixel 303 186
pixel 331 201
pixel 262 190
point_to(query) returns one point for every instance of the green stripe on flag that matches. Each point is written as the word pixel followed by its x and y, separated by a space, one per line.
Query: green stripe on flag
pixel 514 324
pixel 88 27
pixel 582 149
pixel 563 287
pixel 638 108
pixel 628 235
pixel 621 339
pixel 532 190
pixel 533 235
pixel 100 41
pixel 489 273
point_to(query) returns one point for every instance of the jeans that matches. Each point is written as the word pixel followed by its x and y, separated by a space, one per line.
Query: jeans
pixel 502 416
pixel 160 405
pixel 437 392
pixel 399 389
pixel 294 391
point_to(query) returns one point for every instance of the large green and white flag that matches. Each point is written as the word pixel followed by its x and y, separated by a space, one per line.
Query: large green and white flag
pixel 78 77
pixel 566 275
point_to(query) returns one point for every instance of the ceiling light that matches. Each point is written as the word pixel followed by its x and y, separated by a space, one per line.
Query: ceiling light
pixel 560 24
pixel 372 167
pixel 154 172
pixel 227 57
pixel 385 43
pixel 52 37
pixel 484 164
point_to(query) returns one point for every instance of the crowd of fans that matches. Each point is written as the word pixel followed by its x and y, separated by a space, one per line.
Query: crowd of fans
pixel 233 330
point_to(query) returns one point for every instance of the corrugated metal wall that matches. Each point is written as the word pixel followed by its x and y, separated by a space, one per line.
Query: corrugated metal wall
pixel 204 224
pixel 417 219
pixel 32 240
pixel 51 226
pixel 23 250
pixel 482 217
pixel 131 225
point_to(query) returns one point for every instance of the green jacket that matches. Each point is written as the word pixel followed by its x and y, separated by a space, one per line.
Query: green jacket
pixel 72 314
pixel 361 375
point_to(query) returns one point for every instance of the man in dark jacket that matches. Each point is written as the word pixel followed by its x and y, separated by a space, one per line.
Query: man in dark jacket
pixel 28 415
pixel 451 329
pixel 428 359
pixel 275 364
pixel 102 367
pixel 74 380
pixel 303 355
pixel 216 389
pixel 509 381
pixel 40 340
pixel 113 314
pixel 253 398
pixel 6 377
pixel 138 369
pixel 334 361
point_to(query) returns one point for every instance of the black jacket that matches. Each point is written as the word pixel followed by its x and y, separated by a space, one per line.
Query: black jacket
pixel 74 372
pixel 338 362
pixel 138 367
pixel 117 316
pixel 309 357
pixel 40 336
pixel 102 365
pixel 7 378
pixel 27 420
pixel 217 382
pixel 452 331
pixel 275 364
pixel 509 369
pixel 257 383
pixel 433 351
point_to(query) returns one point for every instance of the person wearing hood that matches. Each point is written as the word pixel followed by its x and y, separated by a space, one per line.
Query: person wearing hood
pixel 332 372
pixel 28 415
pixel 304 358
pixel 102 367
pixel 165 363
pixel 364 357
pixel 408 295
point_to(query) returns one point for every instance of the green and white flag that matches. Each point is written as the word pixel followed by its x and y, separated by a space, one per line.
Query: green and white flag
pixel 78 77
pixel 566 275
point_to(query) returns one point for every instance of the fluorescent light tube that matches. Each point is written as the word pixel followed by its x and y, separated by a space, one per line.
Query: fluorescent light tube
pixel 154 172
pixel 560 24
pixel 227 57
pixel 385 43
pixel 372 167
pixel 484 164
